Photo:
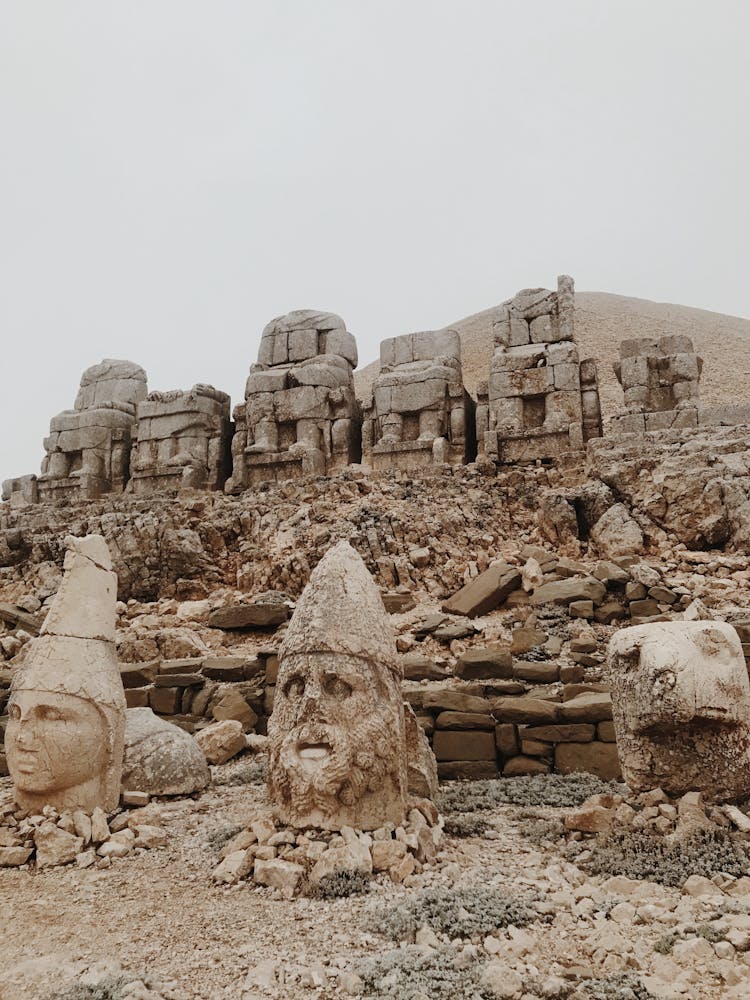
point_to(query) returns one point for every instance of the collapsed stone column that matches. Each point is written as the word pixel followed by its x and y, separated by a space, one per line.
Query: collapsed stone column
pixel 65 735
pixel 660 382
pixel 540 401
pixel 681 708
pixel 418 412
pixel 88 448
pixel 300 416
pixel 182 440
pixel 337 735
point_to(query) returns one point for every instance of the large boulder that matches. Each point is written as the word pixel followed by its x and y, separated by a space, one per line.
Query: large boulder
pixel 161 758
pixel 616 533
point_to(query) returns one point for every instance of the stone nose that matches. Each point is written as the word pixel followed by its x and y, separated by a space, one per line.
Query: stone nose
pixel 26 736
pixel 309 704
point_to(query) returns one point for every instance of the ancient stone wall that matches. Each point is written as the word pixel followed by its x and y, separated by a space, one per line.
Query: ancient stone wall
pixel 182 439
pixel 539 403
pixel 88 448
pixel 418 412
pixel 660 383
pixel 300 415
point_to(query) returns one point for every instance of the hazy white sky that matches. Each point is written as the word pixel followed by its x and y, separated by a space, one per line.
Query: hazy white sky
pixel 174 173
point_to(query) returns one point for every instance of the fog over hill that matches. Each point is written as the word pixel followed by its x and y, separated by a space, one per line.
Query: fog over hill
pixel 602 321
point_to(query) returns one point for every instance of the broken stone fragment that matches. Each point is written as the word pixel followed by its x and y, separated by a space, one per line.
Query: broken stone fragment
pixel 221 741
pixel 278 874
pixel 55 846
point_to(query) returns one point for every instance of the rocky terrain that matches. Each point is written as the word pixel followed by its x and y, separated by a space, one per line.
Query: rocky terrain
pixel 518 902
pixel 504 587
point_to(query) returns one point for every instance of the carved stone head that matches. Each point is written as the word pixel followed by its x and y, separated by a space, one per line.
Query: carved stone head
pixel 336 735
pixel 65 734
pixel 681 706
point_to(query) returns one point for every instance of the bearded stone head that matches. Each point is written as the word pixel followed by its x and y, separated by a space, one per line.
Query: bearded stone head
pixel 336 735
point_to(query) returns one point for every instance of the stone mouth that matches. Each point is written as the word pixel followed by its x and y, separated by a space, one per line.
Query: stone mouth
pixel 313 751
pixel 26 760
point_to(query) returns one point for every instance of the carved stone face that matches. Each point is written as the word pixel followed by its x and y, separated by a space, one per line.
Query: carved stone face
pixel 57 746
pixel 681 707
pixel 681 676
pixel 336 742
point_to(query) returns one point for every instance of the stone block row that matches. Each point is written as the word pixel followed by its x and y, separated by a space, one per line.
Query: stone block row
pixel 300 416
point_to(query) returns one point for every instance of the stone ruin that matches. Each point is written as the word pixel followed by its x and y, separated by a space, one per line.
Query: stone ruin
pixel 541 401
pixel 66 727
pixel 21 491
pixel 418 411
pixel 182 439
pixel 681 708
pixel 300 416
pixel 88 448
pixel 660 383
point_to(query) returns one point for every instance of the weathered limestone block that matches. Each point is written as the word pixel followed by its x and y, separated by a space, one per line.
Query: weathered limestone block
pixel 616 533
pixel 160 758
pixel 182 439
pixel 681 706
pixel 418 411
pixel 65 735
pixel 337 735
pixel 660 382
pixel 300 416
pixel 541 401
pixel 88 448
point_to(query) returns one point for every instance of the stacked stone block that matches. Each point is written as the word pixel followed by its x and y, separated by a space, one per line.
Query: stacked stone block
pixel 88 448
pixel 494 727
pixel 540 401
pixel 418 412
pixel 182 440
pixel 300 416
pixel 660 382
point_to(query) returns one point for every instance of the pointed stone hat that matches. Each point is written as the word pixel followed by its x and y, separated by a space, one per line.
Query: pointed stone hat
pixel 75 651
pixel 341 611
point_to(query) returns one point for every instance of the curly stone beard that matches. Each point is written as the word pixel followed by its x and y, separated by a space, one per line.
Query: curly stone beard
pixel 362 757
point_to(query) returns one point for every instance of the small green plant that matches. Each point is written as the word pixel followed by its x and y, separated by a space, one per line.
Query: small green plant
pixel 641 854
pixel 252 772
pixel 222 835
pixel 711 933
pixel 466 826
pixel 108 989
pixel 558 790
pixel 623 986
pixel 540 829
pixel 408 973
pixel 665 944
pixel 340 884
pixel 455 912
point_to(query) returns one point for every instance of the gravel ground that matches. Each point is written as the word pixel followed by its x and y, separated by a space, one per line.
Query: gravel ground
pixel 158 916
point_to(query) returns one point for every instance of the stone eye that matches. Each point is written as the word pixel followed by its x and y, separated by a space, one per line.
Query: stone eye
pixel 295 687
pixel 49 714
pixel 336 688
